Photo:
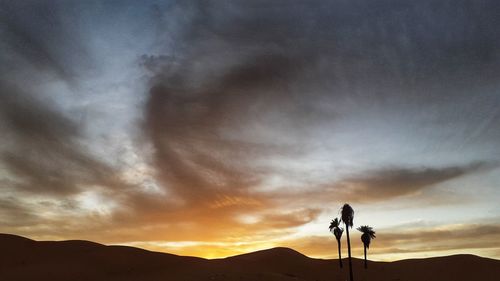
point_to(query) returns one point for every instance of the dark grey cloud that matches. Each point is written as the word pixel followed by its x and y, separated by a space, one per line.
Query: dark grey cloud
pixel 379 185
pixel 42 145
pixel 187 126
pixel 384 184
pixel 43 36
pixel 42 149
pixel 230 65
pixel 404 41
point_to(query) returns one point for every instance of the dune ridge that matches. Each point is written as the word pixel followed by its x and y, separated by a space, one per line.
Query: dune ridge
pixel 23 259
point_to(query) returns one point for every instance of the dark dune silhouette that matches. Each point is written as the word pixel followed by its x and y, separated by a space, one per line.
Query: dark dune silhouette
pixel 25 259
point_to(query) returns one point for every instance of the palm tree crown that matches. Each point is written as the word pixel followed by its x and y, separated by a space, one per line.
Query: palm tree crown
pixel 336 229
pixel 334 223
pixel 368 234
pixel 347 215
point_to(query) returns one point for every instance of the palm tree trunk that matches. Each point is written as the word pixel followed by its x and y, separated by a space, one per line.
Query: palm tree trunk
pixel 366 266
pixel 349 253
pixel 340 256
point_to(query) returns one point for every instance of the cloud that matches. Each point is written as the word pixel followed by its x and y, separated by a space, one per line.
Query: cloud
pixel 42 149
pixel 239 85
pixel 44 155
pixel 14 214
pixel 41 37
pixel 188 130
pixel 385 184
pixel 233 73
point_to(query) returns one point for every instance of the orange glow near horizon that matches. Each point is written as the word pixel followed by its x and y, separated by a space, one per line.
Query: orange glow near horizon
pixel 390 244
pixel 222 250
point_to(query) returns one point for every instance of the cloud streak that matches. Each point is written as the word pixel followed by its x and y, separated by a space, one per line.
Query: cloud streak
pixel 40 142
pixel 390 183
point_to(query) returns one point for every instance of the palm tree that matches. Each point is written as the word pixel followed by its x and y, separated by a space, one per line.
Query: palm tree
pixel 366 237
pixel 337 231
pixel 347 214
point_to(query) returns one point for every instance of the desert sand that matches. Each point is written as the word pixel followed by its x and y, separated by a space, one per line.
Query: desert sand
pixel 25 259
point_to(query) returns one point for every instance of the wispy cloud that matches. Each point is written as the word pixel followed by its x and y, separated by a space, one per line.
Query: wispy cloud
pixel 384 184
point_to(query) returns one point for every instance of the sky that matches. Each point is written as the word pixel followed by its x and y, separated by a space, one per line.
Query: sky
pixel 214 128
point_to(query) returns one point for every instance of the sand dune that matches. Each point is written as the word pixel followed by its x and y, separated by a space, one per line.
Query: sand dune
pixel 25 259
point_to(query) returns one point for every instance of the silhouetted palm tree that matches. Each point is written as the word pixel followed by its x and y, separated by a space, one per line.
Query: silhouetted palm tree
pixel 347 216
pixel 366 237
pixel 337 231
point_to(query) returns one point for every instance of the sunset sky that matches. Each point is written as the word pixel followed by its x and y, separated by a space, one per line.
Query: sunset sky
pixel 214 128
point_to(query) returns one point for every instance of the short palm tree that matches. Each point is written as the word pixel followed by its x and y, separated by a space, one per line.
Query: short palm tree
pixel 347 216
pixel 337 231
pixel 366 237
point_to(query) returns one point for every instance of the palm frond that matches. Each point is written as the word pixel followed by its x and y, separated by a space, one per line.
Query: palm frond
pixel 335 223
pixel 347 215
pixel 368 230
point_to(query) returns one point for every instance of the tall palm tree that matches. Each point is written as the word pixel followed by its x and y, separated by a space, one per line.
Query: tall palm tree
pixel 366 237
pixel 337 231
pixel 347 216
